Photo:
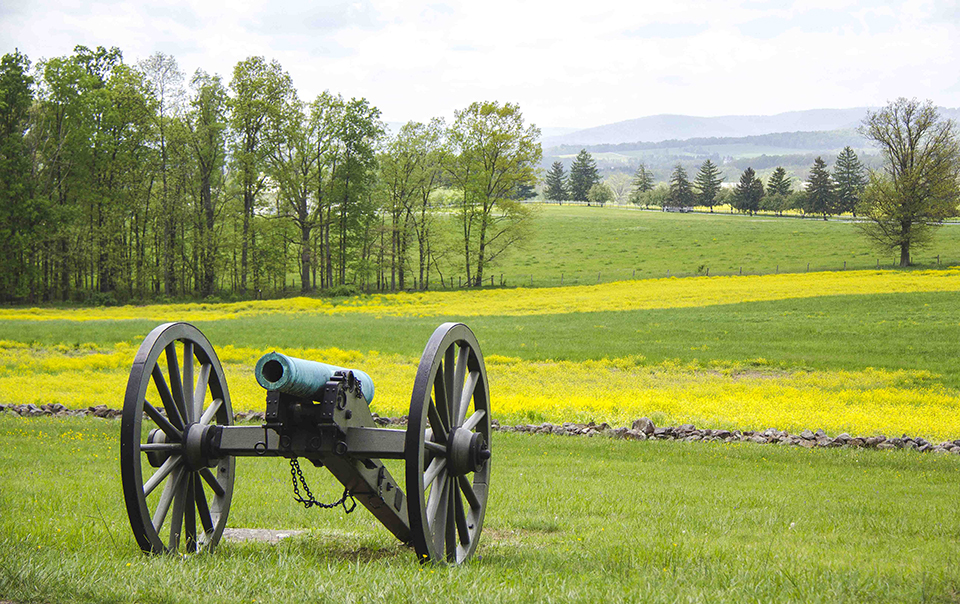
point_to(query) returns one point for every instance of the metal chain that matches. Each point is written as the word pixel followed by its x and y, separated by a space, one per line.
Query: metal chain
pixel 296 475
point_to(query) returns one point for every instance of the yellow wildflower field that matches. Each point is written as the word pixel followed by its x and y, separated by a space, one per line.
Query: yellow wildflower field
pixel 622 295
pixel 752 395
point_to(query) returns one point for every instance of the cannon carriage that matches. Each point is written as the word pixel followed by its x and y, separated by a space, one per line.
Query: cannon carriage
pixel 179 443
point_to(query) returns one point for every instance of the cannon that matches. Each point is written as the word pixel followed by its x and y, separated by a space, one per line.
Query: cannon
pixel 179 443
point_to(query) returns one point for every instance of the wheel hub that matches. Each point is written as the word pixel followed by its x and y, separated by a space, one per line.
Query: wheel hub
pixel 197 446
pixel 466 452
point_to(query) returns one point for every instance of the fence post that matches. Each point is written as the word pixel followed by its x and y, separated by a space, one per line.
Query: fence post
pixel 598 276
pixel 741 270
pixel 778 269
pixel 531 279
pixel 561 279
pixel 844 265
pixel 635 270
pixel 708 272
pixel 491 280
pixel 459 282
pixel 878 263
pixel 938 259
pixel 808 267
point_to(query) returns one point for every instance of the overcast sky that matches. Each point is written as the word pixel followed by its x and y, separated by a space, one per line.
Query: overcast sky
pixel 576 64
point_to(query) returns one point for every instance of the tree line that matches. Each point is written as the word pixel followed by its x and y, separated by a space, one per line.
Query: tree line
pixel 128 182
pixel 900 205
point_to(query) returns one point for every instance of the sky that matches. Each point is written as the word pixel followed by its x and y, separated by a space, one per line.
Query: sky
pixel 566 64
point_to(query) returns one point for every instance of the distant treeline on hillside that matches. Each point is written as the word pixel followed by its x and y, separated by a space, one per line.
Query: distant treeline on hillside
pixel 826 139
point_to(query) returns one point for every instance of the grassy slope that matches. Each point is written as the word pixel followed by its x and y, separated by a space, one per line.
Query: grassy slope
pixel 628 521
pixel 582 241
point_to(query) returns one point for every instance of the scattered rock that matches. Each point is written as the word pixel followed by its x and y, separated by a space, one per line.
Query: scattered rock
pixel 645 425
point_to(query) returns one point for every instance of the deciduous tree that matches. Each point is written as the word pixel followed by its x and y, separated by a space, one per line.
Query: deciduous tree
pixel 918 186
pixel 491 151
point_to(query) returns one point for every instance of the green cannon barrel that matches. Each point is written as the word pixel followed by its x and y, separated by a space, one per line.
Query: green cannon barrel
pixel 302 378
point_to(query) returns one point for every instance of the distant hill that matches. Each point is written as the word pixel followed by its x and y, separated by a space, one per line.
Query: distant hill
pixel 658 128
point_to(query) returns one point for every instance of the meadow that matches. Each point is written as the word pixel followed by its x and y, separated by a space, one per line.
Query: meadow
pixel 620 243
pixel 570 519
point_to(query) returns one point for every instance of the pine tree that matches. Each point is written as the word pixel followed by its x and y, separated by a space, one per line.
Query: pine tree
pixel 708 184
pixel 820 192
pixel 749 191
pixel 583 175
pixel 779 183
pixel 556 183
pixel 848 174
pixel 681 193
pixel 643 179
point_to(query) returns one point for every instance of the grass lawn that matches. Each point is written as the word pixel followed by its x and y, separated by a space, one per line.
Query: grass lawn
pixel 581 242
pixel 569 519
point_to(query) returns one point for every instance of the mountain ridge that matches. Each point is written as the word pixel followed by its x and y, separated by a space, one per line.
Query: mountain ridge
pixel 662 127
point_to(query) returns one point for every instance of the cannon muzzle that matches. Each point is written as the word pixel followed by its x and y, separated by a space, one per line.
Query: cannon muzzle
pixel 302 378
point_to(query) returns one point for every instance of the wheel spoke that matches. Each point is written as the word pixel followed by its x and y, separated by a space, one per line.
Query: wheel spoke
pixel 203 379
pixel 203 510
pixel 166 498
pixel 436 422
pixel 211 411
pixel 176 522
pixel 433 470
pixel 467 489
pixel 162 472
pixel 435 447
pixel 441 400
pixel 461 517
pixel 449 365
pixel 450 529
pixel 465 397
pixel 188 405
pixel 173 413
pixel 190 515
pixel 176 386
pixel 162 422
pixel 474 420
pixel 212 481
pixel 437 511
pixel 459 371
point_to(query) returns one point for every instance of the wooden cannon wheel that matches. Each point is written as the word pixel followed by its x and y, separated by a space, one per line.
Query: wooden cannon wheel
pixel 179 489
pixel 447 448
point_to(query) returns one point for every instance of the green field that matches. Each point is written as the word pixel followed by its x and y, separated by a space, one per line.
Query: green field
pixel 621 243
pixel 569 519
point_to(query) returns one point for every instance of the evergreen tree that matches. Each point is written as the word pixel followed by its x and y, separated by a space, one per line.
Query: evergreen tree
pixel 681 193
pixel 779 183
pixel 643 179
pixel 748 193
pixel 556 183
pixel 708 184
pixel 583 175
pixel 820 192
pixel 850 179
